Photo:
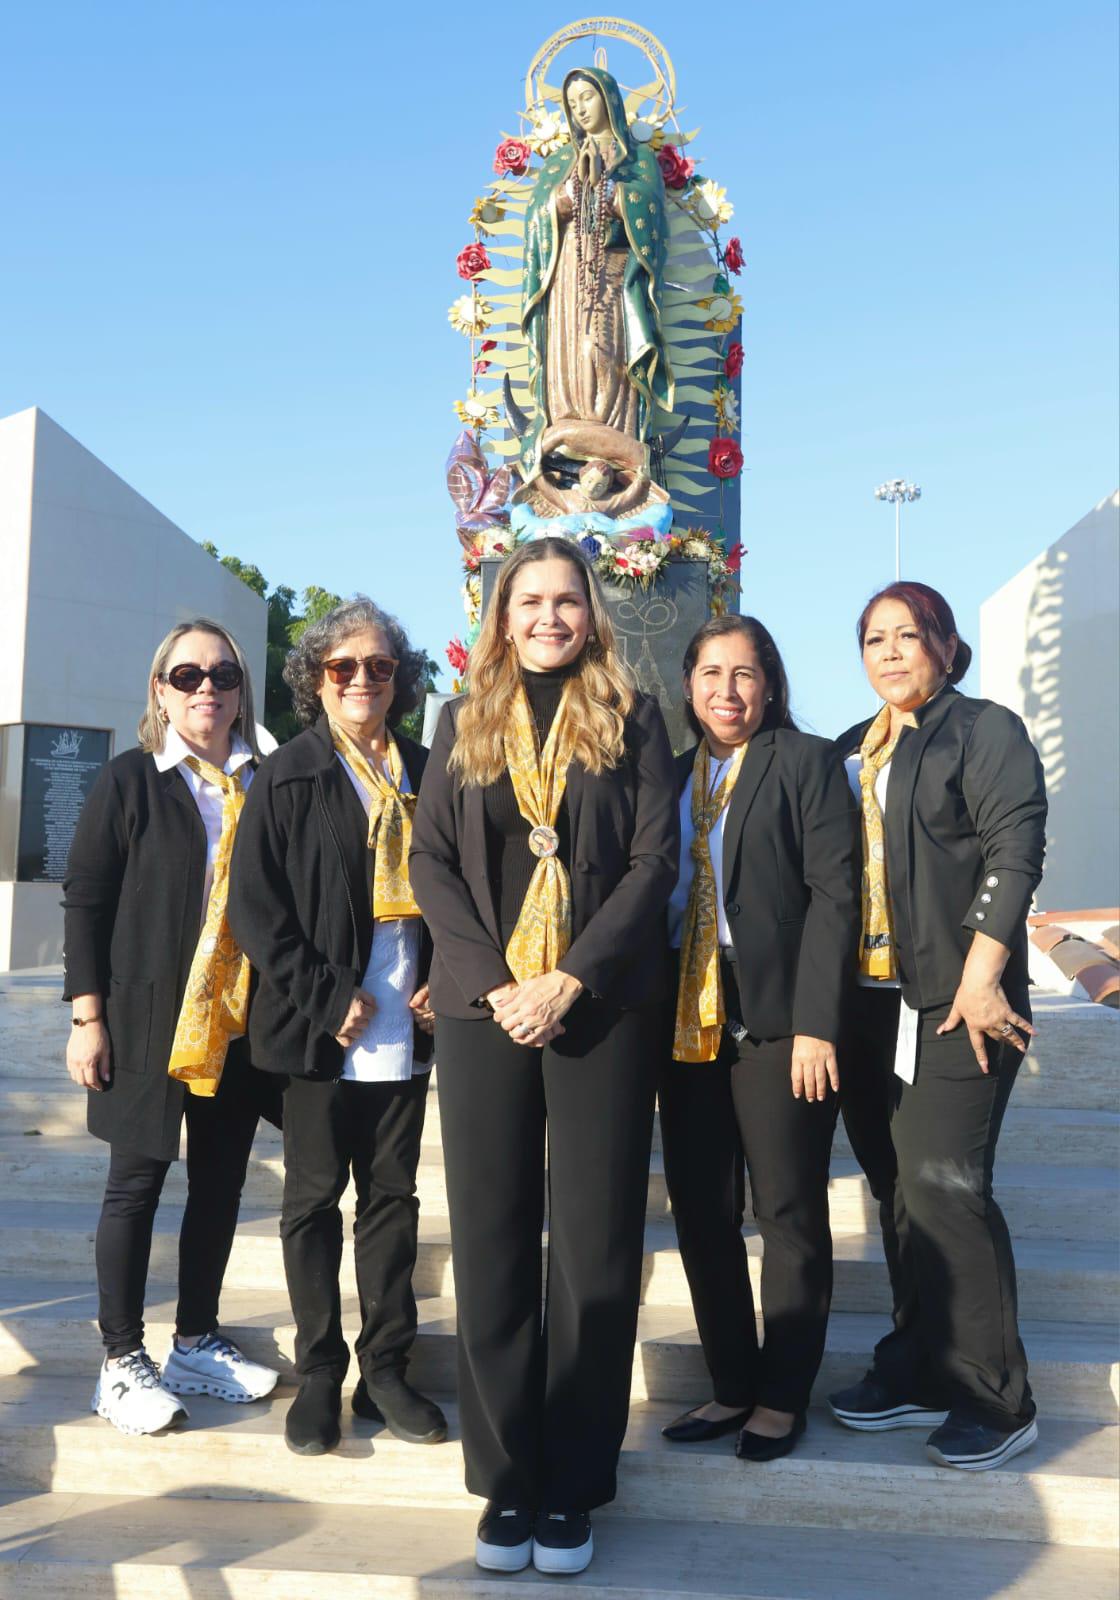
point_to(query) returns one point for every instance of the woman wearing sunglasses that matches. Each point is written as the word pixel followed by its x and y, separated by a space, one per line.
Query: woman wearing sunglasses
pixel 322 904
pixel 159 992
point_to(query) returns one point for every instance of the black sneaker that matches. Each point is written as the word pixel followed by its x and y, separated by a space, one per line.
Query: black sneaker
pixel 311 1426
pixel 562 1541
pixel 974 1447
pixel 406 1413
pixel 504 1542
pixel 869 1407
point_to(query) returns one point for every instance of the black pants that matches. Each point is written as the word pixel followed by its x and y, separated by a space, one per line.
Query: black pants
pixel 372 1130
pixel 219 1138
pixel 544 1398
pixel 866 1057
pixel 713 1115
pixel 955 1340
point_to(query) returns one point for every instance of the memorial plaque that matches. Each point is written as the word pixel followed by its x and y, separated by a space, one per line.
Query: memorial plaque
pixel 654 626
pixel 59 766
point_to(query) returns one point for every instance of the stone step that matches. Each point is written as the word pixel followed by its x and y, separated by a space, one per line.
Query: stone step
pixel 49 1328
pixel 1070 1281
pixel 1064 1491
pixel 94 1547
pixel 1039 1202
pixel 1045 1134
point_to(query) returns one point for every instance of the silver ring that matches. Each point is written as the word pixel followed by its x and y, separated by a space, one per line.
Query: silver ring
pixel 1006 1028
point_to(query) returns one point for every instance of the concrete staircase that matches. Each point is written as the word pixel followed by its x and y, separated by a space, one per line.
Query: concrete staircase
pixel 222 1511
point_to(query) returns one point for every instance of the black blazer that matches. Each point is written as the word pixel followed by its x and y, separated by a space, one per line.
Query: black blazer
pixel 299 903
pixel 966 832
pixel 790 883
pixel 625 840
pixel 133 903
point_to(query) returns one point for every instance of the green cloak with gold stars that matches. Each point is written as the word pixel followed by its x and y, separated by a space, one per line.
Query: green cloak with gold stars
pixel 646 226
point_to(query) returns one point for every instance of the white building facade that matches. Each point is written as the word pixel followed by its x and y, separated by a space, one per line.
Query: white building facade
pixel 92 576
pixel 1050 649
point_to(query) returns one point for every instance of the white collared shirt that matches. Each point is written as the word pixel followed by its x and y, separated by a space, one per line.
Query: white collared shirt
pixel 384 1053
pixel 678 902
pixel 208 797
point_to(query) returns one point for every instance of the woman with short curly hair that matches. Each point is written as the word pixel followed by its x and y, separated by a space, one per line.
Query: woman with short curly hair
pixel 323 907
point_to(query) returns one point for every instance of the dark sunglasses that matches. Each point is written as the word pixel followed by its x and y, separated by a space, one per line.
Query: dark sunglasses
pixel 379 669
pixel 187 677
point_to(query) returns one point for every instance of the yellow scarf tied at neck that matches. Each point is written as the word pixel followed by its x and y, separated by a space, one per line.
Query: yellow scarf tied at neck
pixel 544 927
pixel 216 1000
pixel 876 945
pixel 698 1031
pixel 390 825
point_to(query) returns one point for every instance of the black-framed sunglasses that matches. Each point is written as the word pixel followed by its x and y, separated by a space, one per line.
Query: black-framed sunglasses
pixel 379 669
pixel 187 678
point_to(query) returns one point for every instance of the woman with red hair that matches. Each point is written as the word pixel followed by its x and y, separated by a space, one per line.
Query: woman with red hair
pixel 953 810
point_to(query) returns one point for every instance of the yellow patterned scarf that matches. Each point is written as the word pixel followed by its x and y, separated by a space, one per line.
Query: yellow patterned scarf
pixel 544 927
pixel 216 999
pixel 700 1011
pixel 390 825
pixel 876 945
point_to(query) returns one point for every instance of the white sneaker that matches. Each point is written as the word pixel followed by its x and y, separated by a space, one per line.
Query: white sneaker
pixel 129 1395
pixel 216 1366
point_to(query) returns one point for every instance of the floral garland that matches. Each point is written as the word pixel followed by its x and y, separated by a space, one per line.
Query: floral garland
pixel 631 560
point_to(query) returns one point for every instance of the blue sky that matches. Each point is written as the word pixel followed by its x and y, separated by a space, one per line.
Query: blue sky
pixel 229 234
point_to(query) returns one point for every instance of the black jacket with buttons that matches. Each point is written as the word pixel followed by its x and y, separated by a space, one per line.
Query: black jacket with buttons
pixel 965 828
pixel 790 883
pixel 299 903
pixel 625 837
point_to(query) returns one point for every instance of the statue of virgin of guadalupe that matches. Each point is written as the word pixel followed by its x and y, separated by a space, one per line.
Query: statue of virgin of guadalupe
pixel 596 238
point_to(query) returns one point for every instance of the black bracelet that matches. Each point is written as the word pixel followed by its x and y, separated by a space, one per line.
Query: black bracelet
pixel 81 1022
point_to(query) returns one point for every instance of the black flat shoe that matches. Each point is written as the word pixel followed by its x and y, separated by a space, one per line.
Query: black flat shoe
pixel 755 1447
pixel 689 1428
pixel 406 1413
pixel 311 1426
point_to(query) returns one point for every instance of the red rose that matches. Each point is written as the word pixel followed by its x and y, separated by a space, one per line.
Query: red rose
pixel 733 360
pixel 734 557
pixel 457 655
pixel 733 256
pixel 471 261
pixel 512 156
pixel 676 168
pixel 725 459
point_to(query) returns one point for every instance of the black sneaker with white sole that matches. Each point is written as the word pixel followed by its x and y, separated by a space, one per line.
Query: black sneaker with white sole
pixel 869 1407
pixel 562 1541
pixel 504 1542
pixel 975 1447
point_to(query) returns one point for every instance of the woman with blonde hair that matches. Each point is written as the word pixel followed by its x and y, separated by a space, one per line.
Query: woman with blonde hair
pixel 159 991
pixel 544 851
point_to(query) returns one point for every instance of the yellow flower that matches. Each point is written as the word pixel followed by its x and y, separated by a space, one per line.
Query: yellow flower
pixel 486 212
pixel 642 131
pixel 724 311
pixel 726 408
pixel 477 412
pixel 709 203
pixel 548 133
pixel 470 315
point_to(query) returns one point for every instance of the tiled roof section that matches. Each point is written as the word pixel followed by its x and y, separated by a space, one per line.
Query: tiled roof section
pixel 1093 964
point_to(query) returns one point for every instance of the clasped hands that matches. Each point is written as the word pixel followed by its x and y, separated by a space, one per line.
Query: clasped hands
pixel 363 1005
pixel 531 1012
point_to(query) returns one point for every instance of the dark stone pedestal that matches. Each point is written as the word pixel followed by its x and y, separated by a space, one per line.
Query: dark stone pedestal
pixel 654 626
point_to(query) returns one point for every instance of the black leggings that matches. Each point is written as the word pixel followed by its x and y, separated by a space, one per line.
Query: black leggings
pixel 219 1138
